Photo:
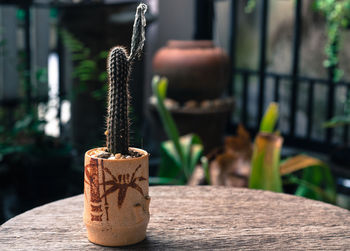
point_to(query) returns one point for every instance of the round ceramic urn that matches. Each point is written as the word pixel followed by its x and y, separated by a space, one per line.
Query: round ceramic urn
pixel 196 70
pixel 116 200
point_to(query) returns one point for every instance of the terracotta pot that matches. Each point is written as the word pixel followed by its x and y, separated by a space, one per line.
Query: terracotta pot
pixel 116 203
pixel 195 69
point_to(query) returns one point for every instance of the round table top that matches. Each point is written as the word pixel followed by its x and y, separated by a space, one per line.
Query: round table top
pixel 199 217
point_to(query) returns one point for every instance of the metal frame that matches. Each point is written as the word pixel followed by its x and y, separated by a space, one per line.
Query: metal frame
pixel 294 77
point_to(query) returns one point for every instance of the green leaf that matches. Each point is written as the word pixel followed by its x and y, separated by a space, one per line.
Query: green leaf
pixel 250 6
pixel 23 123
pixel 196 151
pixel 162 87
pixel 270 118
pixel 265 173
pixel 169 149
pixel 299 162
pixel 103 77
pixel 338 121
pixel 170 166
pixel 205 166
pixel 179 155
pixel 186 145
pixel 159 86
pixel 103 54
pixel 41 75
pixel 317 183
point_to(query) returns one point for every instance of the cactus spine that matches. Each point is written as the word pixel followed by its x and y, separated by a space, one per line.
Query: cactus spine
pixel 119 68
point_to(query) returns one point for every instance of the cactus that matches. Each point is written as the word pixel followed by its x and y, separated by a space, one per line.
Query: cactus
pixel 119 68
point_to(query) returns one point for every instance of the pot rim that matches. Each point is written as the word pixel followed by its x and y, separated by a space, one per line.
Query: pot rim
pixel 190 44
pixel 144 154
pixel 271 137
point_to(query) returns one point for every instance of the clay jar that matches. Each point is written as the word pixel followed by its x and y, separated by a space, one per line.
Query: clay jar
pixel 196 70
pixel 116 201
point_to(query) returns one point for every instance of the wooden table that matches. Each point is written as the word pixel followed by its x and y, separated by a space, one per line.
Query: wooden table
pixel 201 217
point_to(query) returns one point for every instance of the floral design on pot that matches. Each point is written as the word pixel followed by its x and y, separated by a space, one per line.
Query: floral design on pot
pixel 123 183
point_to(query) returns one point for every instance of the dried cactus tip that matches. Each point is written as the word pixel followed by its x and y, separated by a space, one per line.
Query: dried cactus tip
pixel 138 34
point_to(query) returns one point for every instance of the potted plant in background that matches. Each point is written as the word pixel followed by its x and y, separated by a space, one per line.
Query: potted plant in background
pixel 197 73
pixel 179 154
pixel 240 163
pixel 116 204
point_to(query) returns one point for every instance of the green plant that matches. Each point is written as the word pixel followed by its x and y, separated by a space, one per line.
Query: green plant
pixel 265 172
pixel 343 119
pixel 250 6
pixel 86 65
pixel 316 181
pixel 22 128
pixel 337 14
pixel 119 67
pixel 27 137
pixel 269 121
pixel 179 154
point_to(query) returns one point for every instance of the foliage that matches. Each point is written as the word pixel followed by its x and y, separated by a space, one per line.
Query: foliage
pixel 270 118
pixel 20 137
pixel 205 166
pixel 265 172
pixel 338 16
pixel 298 162
pixel 22 130
pixel 87 65
pixel 341 120
pixel 27 136
pixel 337 13
pixel 316 181
pixel 180 154
pixel 250 6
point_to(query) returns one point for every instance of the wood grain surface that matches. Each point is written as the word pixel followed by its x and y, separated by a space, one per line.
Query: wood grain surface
pixel 197 217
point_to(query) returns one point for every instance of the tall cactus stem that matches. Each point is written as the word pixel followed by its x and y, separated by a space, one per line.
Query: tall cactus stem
pixel 118 101
pixel 119 68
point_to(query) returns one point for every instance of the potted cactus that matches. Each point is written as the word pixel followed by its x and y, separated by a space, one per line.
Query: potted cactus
pixel 116 203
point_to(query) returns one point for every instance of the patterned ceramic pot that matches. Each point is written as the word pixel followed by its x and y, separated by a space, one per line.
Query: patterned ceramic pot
pixel 116 203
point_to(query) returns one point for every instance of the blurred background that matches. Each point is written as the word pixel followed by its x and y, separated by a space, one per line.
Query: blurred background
pixel 53 86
